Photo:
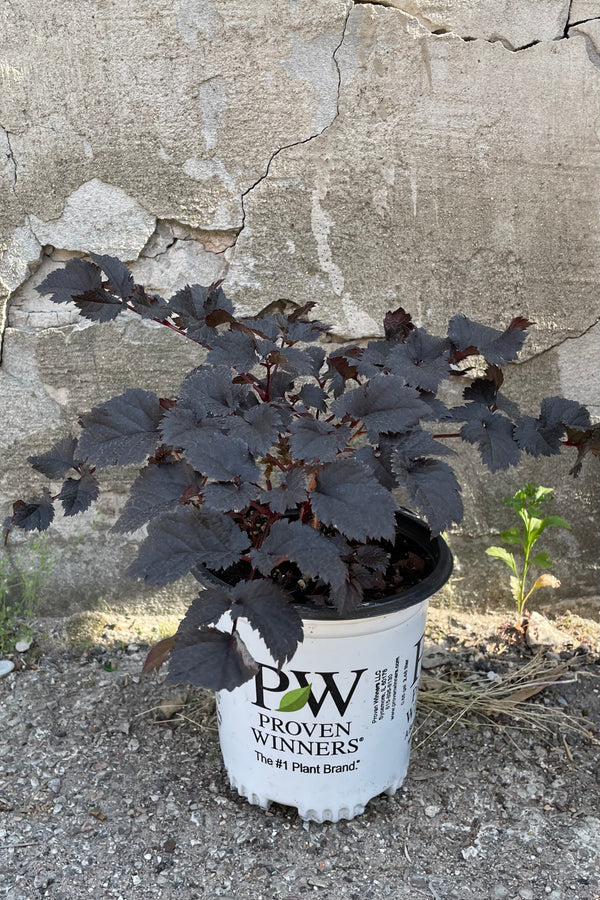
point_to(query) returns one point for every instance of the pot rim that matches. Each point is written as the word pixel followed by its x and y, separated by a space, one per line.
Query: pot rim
pixel 434 549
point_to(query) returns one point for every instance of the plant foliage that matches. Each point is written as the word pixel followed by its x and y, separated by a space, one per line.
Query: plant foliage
pixel 279 462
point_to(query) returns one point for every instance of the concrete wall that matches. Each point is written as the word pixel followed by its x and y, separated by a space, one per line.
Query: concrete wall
pixel 443 155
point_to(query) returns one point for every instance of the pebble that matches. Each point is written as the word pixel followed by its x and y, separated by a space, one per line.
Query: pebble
pixel 526 893
pixel 499 892
pixel 432 811
pixel 6 666
pixel 54 785
pixel 23 646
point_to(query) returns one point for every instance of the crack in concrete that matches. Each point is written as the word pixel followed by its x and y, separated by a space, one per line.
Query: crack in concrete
pixel 13 168
pixel 306 140
pixel 569 337
pixel 441 31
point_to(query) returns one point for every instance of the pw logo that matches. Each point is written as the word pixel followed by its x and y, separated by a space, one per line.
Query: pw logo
pixel 278 683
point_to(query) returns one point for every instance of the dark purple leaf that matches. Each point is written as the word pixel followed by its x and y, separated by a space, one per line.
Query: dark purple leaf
pixel 538 439
pixel 296 361
pixel 232 496
pixel 383 404
pixel 421 360
pixel 397 325
pixel 493 434
pixel 350 498
pixel 210 391
pixel 221 457
pixel 80 282
pixel 288 494
pixel 119 277
pixel 186 538
pixel 314 396
pixel 193 303
pixel 315 554
pixel 311 439
pixel 379 463
pixel 269 610
pixel 418 443
pixel 157 489
pixel 234 349
pixel 374 358
pixel 258 427
pixel 36 515
pixel 78 494
pixel 211 659
pixel 373 557
pixel 497 347
pixel 206 609
pixel 555 410
pixel 433 490
pixel 57 461
pixel 123 430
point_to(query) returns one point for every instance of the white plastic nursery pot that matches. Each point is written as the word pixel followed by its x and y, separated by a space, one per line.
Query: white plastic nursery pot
pixel 332 728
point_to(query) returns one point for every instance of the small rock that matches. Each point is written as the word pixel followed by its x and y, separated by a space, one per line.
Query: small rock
pixel 434 656
pixel 54 785
pixel 6 666
pixel 23 645
pixel 525 893
pixel 499 892
pixel 470 852
pixel 132 648
pixel 541 633
pixel 432 811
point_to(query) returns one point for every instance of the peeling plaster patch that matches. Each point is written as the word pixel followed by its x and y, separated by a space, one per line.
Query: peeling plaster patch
pixel 356 322
pixel 313 61
pixel 16 262
pixel 100 218
pixel 579 370
pixel 205 169
pixel 182 263
pixel 211 100
pixel 196 16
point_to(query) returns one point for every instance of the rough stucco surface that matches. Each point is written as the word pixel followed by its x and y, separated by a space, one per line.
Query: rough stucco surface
pixel 443 155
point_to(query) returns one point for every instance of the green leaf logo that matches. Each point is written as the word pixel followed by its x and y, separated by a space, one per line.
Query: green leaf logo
pixel 294 700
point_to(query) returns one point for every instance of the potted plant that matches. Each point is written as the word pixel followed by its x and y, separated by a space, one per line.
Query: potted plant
pixel 273 477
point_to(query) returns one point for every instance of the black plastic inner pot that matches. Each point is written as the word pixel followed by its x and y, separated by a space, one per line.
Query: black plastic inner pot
pixel 433 550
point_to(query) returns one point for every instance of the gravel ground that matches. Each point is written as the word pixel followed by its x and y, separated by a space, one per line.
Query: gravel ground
pixel 100 797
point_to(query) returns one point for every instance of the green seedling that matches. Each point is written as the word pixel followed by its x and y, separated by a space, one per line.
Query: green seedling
pixel 527 504
pixel 21 585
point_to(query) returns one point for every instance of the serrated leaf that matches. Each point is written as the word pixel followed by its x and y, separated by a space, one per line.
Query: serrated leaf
pixel 538 526
pixel 542 560
pixel 569 413
pixel 348 496
pixel 497 347
pixel 493 434
pixel 536 437
pixel 229 497
pixel 57 461
pixel 221 457
pixel 78 494
pixel 119 277
pixel 206 609
pixel 311 439
pixel 420 360
pixel 314 553
pixel 269 609
pixel 234 349
pixel 433 490
pixel 295 699
pixel 314 397
pixel 379 463
pixel 193 303
pixel 288 494
pixel 258 427
pixel 36 515
pixel 158 488
pixel 384 404
pixel 80 282
pixel 186 538
pixel 210 391
pixel 373 557
pixel 512 536
pixel 123 430
pixel 397 325
pixel 515 589
pixel 211 659
pixel 502 554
